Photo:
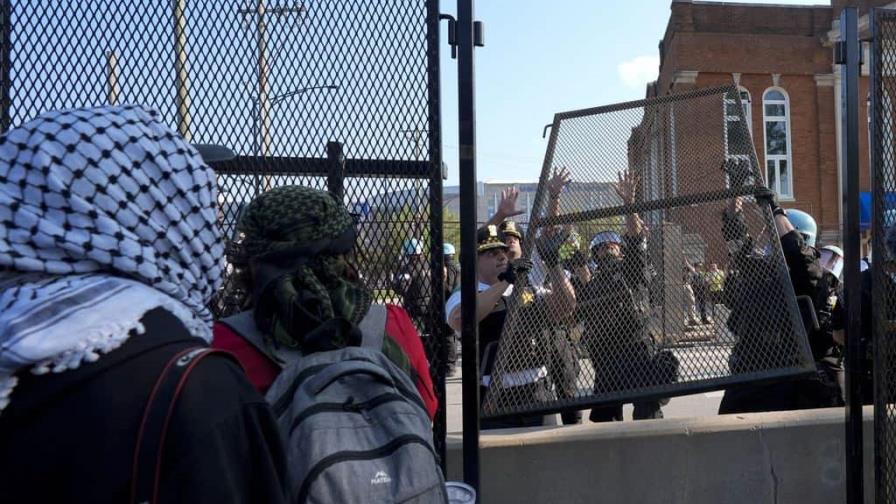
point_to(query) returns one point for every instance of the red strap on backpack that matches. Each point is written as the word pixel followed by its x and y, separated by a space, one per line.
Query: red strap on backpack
pixel 156 417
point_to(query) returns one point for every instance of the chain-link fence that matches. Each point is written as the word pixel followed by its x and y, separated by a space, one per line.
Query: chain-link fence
pixel 276 82
pixel 883 301
pixel 655 273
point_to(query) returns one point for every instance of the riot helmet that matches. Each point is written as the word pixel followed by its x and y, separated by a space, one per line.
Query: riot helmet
pixel 805 224
pixel 602 239
pixel 412 247
pixel 832 259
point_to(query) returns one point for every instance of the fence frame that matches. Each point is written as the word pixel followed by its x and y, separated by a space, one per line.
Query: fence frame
pixel 333 166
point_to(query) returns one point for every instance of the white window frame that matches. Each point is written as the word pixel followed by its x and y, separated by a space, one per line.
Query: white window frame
pixel 746 103
pixel 777 158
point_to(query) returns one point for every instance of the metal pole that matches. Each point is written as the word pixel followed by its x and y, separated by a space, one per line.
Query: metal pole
pixel 259 183
pixel 878 186
pixel 469 277
pixel 437 259
pixel 848 57
pixel 112 88
pixel 6 65
pixel 264 105
pixel 181 84
pixel 336 175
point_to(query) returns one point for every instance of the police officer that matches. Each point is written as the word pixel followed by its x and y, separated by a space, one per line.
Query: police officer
pixel 797 232
pixel 451 284
pixel 615 321
pixel 887 291
pixel 513 237
pixel 413 284
pixel 452 269
pixel 412 281
pixel 497 276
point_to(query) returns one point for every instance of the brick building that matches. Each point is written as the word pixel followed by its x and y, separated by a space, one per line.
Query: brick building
pixel 782 60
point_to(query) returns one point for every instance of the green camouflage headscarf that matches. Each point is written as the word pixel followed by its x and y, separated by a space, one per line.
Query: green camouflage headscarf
pixel 295 239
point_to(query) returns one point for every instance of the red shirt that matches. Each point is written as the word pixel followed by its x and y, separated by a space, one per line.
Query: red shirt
pixel 262 371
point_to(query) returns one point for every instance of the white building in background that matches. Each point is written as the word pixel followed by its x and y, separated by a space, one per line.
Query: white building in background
pixel 579 196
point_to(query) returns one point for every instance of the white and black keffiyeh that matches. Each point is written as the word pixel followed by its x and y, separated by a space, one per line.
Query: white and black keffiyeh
pixel 105 214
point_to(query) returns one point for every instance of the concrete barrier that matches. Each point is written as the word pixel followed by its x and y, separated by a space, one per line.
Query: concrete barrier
pixel 781 458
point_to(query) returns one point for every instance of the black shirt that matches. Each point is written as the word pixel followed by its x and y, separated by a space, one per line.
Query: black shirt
pixel 71 437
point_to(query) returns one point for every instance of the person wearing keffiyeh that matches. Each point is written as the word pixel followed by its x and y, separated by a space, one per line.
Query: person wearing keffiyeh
pixel 306 294
pixel 109 254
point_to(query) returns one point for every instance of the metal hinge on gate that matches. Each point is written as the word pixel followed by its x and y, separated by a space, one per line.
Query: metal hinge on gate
pixel 478 33
pixel 840 53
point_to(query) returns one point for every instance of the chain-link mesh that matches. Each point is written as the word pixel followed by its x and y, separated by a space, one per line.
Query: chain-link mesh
pixel 275 81
pixel 883 75
pixel 655 273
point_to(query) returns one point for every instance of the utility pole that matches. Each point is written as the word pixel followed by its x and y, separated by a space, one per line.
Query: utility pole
pixel 181 85
pixel 112 88
pixel 418 135
pixel 263 112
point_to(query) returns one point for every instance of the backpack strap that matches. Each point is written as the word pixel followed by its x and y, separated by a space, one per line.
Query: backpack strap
pixel 243 325
pixel 146 468
pixel 373 327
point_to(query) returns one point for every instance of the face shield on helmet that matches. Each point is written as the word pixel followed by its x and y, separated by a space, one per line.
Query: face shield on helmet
pixel 832 259
pixel 805 224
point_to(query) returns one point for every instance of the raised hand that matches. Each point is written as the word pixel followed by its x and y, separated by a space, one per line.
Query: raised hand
pixel 507 207
pixel 626 186
pixel 559 180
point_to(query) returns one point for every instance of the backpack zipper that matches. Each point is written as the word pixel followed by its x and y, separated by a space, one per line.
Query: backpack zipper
pixel 331 460
pixel 281 405
pixel 361 408
pixel 285 400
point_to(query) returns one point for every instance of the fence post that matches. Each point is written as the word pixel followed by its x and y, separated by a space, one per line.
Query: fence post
pixel 848 57
pixel 469 278
pixel 336 171
pixel 436 217
pixel 5 65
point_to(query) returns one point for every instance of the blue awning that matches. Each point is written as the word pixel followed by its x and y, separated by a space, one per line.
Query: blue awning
pixel 865 209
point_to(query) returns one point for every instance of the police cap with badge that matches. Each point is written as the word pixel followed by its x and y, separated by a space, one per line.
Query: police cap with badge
pixel 488 238
pixel 509 228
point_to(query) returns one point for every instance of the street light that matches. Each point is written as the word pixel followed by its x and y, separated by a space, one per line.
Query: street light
pixel 260 132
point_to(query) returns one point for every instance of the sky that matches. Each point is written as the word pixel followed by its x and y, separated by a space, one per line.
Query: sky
pixel 541 58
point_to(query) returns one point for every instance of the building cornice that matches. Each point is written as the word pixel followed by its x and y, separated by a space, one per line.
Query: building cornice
pixel 825 80
pixel 685 77
pixel 864 24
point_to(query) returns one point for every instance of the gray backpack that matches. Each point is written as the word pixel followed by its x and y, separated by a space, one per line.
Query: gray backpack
pixel 355 426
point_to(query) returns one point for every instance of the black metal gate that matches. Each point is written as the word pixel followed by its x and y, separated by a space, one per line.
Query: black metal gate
pixel 277 82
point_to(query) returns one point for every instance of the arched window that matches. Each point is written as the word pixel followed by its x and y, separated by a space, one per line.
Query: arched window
pixel 778 160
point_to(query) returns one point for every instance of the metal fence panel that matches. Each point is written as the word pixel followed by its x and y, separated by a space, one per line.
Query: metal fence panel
pixel 275 81
pixel 883 166
pixel 645 324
